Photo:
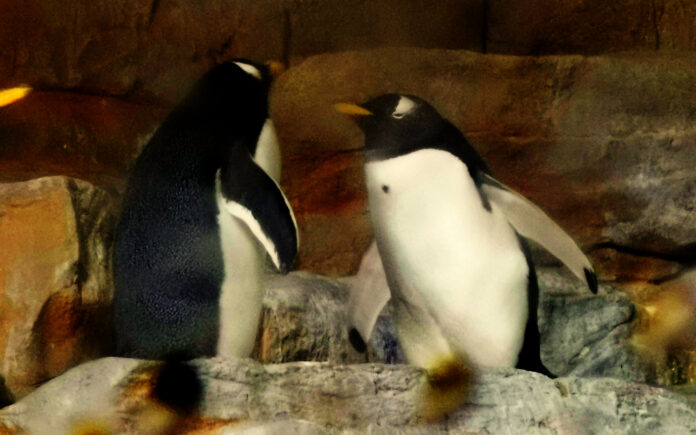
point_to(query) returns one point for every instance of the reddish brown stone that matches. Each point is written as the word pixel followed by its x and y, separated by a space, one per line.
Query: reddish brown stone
pixel 676 24
pixel 55 286
pixel 576 26
pixel 155 49
pixel 83 136
pixel 612 265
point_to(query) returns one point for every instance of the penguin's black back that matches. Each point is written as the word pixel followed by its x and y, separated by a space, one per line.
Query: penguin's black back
pixel 168 264
pixel 168 261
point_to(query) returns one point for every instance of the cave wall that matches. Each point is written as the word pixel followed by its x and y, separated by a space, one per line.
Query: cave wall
pixel 587 108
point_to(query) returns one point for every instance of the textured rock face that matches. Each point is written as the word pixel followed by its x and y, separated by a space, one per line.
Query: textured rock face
pixel 603 144
pixel 304 319
pixel 575 26
pixel 55 282
pixel 89 137
pixel 242 396
pixel 150 48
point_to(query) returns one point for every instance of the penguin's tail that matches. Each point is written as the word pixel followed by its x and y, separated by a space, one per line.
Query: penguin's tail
pixel 177 385
pixel 158 398
pixel 161 398
pixel 449 383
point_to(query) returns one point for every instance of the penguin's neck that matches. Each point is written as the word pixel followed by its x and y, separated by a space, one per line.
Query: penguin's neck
pixel 267 151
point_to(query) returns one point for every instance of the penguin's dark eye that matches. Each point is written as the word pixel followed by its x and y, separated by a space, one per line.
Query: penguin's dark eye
pixel 398 115
pixel 385 188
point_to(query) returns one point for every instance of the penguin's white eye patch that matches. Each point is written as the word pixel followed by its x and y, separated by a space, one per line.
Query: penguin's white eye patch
pixel 404 106
pixel 249 69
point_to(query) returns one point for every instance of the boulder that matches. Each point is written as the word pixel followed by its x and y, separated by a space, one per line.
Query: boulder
pixel 603 144
pixel 242 396
pixel 55 279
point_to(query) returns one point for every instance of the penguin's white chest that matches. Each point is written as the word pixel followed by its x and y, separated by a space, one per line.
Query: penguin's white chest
pixel 241 293
pixel 245 270
pixel 442 248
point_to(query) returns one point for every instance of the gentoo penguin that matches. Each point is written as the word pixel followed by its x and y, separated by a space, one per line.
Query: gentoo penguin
pixel 202 212
pixel 448 234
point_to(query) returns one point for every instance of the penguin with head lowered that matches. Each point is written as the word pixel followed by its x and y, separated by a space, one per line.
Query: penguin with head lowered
pixel 201 214
pixel 448 234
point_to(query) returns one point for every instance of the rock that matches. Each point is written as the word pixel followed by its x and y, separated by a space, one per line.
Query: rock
pixel 603 144
pixel 675 24
pixel 551 27
pixel 325 26
pixel 154 49
pixel 583 334
pixel 304 319
pixel 91 137
pixel 613 265
pixel 55 281
pixel 242 396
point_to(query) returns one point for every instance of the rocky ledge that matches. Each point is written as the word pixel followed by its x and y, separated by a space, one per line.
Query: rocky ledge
pixel 585 340
pixel 243 396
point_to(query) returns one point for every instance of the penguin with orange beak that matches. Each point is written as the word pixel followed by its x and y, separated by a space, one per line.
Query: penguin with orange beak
pixel 452 242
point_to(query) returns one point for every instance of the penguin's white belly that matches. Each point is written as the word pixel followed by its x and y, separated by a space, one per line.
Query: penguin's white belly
pixel 241 293
pixel 442 248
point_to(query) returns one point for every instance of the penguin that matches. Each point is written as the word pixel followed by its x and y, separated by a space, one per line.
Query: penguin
pixel 451 239
pixel 201 214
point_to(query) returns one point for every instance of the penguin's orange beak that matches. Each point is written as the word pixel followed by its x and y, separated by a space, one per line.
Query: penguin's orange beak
pixel 352 110
pixel 11 95
pixel 275 68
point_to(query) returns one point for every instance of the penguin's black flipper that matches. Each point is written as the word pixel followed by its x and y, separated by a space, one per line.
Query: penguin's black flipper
pixel 529 357
pixel 531 222
pixel 256 199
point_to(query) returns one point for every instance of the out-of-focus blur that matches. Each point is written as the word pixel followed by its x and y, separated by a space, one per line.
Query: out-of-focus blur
pixel 11 95
pixel 665 330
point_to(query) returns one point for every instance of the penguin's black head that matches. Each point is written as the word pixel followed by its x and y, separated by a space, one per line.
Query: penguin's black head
pixel 396 124
pixel 234 93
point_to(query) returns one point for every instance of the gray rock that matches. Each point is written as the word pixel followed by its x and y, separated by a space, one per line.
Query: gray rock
pixel 368 398
pixel 304 319
pixel 583 334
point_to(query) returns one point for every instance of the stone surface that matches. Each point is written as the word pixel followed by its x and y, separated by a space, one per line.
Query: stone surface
pixel 576 26
pixel 90 137
pixel 368 398
pixel 675 24
pixel 605 145
pixel 55 282
pixel 583 334
pixel 613 265
pixel 152 48
pixel 304 319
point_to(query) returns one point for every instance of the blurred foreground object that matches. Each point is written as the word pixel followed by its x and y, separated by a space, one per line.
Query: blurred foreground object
pixel 11 95
pixel 665 333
